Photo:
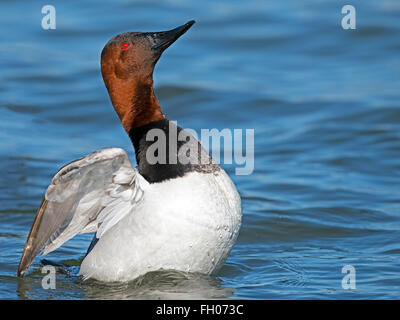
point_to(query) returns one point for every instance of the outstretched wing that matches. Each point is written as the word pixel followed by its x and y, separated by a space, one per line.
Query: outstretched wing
pixel 91 194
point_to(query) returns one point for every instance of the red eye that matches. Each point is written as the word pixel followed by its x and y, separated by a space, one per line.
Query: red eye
pixel 125 46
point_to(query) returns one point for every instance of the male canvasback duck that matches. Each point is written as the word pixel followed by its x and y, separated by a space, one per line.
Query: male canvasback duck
pixel 173 215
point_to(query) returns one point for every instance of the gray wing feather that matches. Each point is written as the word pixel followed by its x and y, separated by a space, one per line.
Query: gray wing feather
pixel 88 195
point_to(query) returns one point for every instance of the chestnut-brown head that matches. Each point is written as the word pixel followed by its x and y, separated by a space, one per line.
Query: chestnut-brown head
pixel 127 65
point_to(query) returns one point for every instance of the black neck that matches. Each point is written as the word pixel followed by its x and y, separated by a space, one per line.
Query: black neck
pixel 157 172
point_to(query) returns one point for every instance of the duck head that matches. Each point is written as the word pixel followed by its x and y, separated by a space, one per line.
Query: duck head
pixel 127 65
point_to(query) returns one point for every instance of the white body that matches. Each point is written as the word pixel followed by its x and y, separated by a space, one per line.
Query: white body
pixel 187 224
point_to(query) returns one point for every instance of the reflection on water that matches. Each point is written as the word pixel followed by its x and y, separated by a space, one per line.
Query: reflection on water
pixel 163 284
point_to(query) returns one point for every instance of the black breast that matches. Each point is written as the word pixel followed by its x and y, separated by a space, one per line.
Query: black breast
pixel 169 165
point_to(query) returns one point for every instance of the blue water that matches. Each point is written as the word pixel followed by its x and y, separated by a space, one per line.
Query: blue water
pixel 324 103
